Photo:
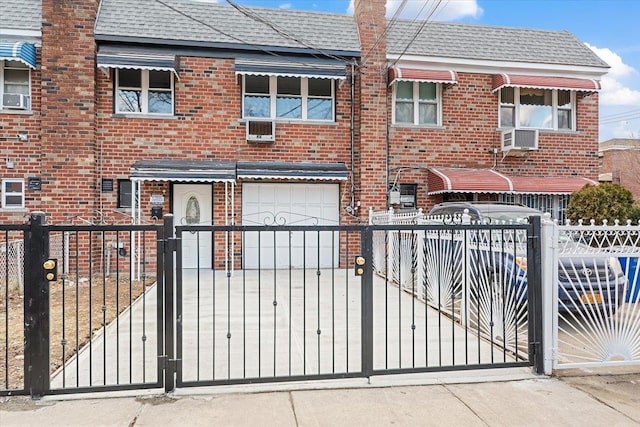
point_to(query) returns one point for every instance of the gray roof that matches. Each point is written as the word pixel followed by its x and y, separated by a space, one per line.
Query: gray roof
pixel 197 23
pixel 480 42
pixel 21 14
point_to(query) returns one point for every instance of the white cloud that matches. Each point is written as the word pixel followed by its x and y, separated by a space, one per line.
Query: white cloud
pixel 618 68
pixel 285 6
pixel 614 90
pixel 421 9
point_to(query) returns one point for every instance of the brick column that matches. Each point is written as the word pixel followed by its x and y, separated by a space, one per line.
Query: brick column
pixel 68 166
pixel 372 108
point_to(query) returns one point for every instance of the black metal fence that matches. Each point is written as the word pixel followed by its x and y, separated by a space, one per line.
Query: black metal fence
pixel 133 306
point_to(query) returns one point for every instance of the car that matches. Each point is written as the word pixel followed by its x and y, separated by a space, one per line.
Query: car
pixel 585 284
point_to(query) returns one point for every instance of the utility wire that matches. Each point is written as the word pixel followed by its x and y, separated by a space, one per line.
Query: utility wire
pixel 417 33
pixel 390 24
pixel 211 27
pixel 256 17
pixel 624 113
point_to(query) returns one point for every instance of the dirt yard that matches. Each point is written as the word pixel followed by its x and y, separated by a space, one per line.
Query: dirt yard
pixel 78 309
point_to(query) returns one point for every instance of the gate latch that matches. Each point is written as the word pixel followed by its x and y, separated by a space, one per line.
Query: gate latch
pixel 360 262
pixel 170 364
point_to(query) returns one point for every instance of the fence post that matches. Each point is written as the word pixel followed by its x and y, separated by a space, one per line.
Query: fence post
pixel 36 308
pixel 169 313
pixel 534 291
pixel 549 272
pixel 366 287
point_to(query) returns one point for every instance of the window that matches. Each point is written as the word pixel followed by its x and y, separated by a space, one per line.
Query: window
pixel 537 108
pixel 124 193
pixel 12 193
pixel 15 85
pixel 274 97
pixel 417 103
pixel 144 91
pixel 556 205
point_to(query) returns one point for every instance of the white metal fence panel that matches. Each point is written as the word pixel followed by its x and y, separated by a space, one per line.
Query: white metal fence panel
pixel 597 298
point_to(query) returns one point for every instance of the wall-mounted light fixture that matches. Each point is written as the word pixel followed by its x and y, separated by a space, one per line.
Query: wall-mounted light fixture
pixel 23 136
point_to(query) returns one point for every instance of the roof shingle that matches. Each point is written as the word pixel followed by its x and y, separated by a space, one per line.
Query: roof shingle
pixel 21 14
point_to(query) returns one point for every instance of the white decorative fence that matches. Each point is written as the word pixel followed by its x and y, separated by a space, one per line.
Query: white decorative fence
pixel 590 283
pixel 596 306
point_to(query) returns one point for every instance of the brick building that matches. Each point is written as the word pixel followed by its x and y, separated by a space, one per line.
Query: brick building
pixel 254 115
pixel 620 163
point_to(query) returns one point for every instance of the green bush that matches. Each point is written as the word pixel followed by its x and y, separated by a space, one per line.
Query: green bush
pixel 600 202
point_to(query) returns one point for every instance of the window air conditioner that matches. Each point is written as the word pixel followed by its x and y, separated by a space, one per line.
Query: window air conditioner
pixel 520 139
pixel 261 131
pixel 16 101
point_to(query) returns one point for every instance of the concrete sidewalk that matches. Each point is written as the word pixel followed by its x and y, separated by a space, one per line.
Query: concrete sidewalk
pixel 500 397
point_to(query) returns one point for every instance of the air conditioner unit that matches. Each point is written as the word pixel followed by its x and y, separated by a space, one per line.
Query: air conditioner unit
pixel 261 130
pixel 16 101
pixel 519 140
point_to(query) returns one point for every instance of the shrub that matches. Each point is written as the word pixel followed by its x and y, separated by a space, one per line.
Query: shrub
pixel 600 202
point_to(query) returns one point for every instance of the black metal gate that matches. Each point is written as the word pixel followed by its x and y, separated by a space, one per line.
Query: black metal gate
pixel 133 306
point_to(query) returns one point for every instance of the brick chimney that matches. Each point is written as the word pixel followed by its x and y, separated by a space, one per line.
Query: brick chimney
pixel 68 166
pixel 372 138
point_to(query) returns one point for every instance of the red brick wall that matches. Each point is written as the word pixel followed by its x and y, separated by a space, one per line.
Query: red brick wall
pixel 470 128
pixel 623 165
pixel 25 155
pixel 207 127
pixel 68 161
pixel 372 125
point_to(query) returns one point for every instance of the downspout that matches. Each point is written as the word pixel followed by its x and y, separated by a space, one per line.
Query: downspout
pixel 352 190
pixel 386 122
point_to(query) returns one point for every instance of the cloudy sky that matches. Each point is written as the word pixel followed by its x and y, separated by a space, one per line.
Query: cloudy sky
pixel 610 28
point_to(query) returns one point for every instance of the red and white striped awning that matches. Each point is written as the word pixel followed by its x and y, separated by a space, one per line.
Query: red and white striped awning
pixel 542 82
pixel 461 180
pixel 421 75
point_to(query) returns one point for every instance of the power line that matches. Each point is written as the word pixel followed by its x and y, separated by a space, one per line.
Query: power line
pixel 238 39
pixel 388 27
pixel 417 33
pixel 256 17
pixel 608 116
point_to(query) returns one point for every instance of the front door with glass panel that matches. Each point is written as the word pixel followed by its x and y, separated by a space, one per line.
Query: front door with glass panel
pixel 192 205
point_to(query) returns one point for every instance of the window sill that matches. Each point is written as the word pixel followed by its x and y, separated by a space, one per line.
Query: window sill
pixel 16 112
pixel 291 121
pixel 406 125
pixel 144 116
pixel 14 210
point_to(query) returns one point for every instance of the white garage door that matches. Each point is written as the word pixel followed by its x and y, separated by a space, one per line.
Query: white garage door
pixel 290 204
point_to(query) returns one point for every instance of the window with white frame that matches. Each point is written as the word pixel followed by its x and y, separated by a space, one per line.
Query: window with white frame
pixel 144 91
pixel 12 193
pixel 275 97
pixel 552 109
pixel 417 103
pixel 15 85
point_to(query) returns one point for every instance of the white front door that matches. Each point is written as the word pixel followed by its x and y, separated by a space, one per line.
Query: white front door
pixel 191 206
pixel 290 204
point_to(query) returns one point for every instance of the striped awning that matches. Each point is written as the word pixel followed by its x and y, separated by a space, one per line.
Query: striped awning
pixel 460 180
pixel 291 67
pixel 297 171
pixel 183 171
pixel 542 82
pixel 137 61
pixel 422 75
pixel 18 51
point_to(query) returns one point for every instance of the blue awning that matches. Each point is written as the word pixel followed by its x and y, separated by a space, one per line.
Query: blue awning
pixel 18 51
